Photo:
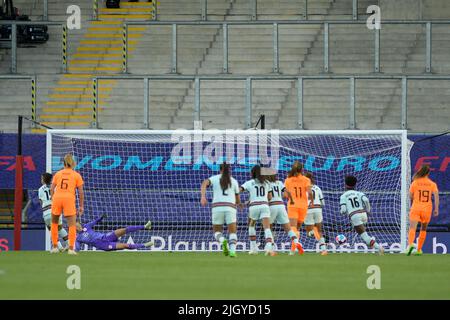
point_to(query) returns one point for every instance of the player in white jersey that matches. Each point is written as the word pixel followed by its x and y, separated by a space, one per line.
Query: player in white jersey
pixel 46 203
pixel 225 199
pixel 278 213
pixel 314 217
pixel 357 206
pixel 260 194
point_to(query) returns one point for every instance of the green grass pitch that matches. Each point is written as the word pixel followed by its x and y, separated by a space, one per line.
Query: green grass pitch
pixel 158 275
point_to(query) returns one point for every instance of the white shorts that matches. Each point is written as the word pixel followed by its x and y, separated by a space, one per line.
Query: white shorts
pixel 259 212
pixel 47 215
pixel 278 214
pixel 313 216
pixel 223 215
pixel 358 219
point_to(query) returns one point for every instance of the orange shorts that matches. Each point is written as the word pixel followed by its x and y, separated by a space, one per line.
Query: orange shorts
pixel 423 216
pixel 297 213
pixel 64 205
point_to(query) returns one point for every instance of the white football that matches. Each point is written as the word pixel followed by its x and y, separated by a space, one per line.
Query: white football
pixel 341 239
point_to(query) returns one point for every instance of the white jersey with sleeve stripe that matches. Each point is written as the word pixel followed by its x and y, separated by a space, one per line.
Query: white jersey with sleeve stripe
pixel 224 197
pixel 353 202
pixel 277 192
pixel 258 191
pixel 317 200
pixel 45 197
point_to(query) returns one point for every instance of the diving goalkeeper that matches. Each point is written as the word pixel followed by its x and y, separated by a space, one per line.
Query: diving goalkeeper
pixel 108 241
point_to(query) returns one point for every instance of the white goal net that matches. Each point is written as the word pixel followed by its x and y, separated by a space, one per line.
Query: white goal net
pixel 136 176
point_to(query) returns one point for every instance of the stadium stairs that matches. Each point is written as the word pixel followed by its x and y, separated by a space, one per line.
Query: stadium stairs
pixel 97 51
pixel 65 100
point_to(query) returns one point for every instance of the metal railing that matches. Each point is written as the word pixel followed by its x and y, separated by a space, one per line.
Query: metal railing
pixel 14 24
pixel 300 88
pixel 45 15
pixel 275 36
pixel 252 13
pixel 41 4
pixel 225 28
pixel 248 93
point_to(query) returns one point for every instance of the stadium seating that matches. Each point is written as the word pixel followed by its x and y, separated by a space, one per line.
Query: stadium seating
pixel 65 101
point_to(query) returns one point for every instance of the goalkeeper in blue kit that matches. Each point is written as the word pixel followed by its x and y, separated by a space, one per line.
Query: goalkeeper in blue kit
pixel 108 241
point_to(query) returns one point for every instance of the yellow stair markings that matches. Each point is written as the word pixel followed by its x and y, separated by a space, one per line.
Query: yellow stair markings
pixel 38 130
pixel 96 62
pixel 106 35
pixel 97 55
pixel 85 83
pixel 71 103
pixel 69 95
pixel 68 103
pixel 106 22
pixel 84 75
pixel 68 109
pixel 102 47
pixel 94 69
pixel 126 10
pixel 82 89
pixel 66 123
pixel 125 16
pixel 110 42
pixel 68 75
pixel 69 117
pixel 117 29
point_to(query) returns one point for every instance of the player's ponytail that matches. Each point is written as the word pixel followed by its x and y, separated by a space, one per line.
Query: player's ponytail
pixel 225 179
pixel 296 169
pixel 423 172
pixel 256 174
pixel 69 162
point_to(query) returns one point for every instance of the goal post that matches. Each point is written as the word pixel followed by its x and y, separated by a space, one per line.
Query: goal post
pixel 137 175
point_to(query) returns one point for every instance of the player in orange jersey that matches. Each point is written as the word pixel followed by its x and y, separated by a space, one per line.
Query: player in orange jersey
pixel 64 185
pixel 298 189
pixel 421 191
